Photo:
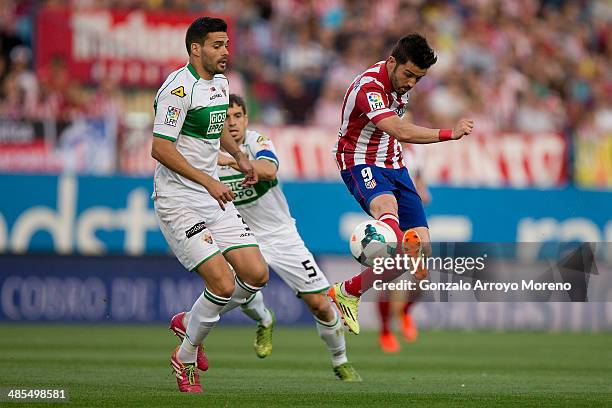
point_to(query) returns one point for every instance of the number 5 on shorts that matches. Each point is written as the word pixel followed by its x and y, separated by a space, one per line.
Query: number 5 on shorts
pixel 308 267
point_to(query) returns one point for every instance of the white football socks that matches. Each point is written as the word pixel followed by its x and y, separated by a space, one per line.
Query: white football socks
pixel 256 310
pixel 332 333
pixel 242 293
pixel 203 316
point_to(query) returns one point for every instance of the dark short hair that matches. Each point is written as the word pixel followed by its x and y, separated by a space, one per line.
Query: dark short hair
pixel 237 100
pixel 414 48
pixel 199 29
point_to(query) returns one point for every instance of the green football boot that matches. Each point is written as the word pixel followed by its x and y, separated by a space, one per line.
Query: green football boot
pixel 263 338
pixel 347 305
pixel 346 372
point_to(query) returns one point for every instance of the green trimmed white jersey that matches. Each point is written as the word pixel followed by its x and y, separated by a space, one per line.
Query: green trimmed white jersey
pixel 190 111
pixel 263 206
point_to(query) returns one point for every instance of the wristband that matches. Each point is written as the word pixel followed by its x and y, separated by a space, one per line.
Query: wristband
pixel 445 134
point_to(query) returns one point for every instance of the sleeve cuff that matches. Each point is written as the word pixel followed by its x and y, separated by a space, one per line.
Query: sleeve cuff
pixel 267 155
pixel 172 139
pixel 377 116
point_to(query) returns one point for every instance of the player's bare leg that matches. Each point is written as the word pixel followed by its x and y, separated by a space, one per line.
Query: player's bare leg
pixel 331 332
pixel 251 273
pixel 203 316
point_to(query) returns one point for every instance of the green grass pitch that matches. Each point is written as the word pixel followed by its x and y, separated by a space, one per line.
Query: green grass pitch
pixel 128 366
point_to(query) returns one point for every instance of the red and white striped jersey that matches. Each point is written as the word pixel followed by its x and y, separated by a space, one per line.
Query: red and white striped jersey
pixel 368 100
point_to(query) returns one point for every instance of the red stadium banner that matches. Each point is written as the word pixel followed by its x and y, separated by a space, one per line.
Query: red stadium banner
pixel 138 48
pixel 37 157
pixel 513 160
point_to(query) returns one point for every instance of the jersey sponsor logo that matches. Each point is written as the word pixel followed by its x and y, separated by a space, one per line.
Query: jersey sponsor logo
pixel 215 96
pixel 216 122
pixel 172 116
pixel 370 184
pixel 241 192
pixel 199 227
pixel 375 100
pixel 400 111
pixel 180 92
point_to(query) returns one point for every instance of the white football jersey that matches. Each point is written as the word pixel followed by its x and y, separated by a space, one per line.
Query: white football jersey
pixel 190 111
pixel 263 206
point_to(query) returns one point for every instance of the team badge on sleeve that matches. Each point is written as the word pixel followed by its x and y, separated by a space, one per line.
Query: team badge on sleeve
pixel 180 92
pixel 172 116
pixel 375 100
pixel 264 142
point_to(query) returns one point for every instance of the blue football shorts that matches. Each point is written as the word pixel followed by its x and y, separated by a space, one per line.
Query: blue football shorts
pixel 366 182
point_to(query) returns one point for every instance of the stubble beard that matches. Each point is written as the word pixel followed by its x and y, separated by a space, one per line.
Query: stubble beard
pixel 211 66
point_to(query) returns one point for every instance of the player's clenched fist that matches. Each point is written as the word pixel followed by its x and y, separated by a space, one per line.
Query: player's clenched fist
pixel 462 128
pixel 220 192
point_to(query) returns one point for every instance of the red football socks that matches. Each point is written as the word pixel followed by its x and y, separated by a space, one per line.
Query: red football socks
pixel 392 221
pixel 353 286
pixel 384 311
pixel 360 283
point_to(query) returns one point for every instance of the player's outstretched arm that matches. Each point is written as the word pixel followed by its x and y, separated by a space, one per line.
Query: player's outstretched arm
pixel 163 151
pixel 265 169
pixel 407 132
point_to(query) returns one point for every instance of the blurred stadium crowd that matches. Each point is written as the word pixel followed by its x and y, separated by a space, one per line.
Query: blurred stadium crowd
pixel 523 65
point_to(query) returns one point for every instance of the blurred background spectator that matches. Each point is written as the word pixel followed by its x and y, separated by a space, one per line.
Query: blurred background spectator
pixel 524 66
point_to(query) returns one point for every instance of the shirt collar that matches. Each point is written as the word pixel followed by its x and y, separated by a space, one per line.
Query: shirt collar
pixel 193 71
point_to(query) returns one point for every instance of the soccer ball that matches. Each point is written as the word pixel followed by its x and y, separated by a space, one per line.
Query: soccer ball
pixel 372 239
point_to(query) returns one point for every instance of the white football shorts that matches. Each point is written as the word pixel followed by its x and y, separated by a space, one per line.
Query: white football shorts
pixel 294 263
pixel 197 229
